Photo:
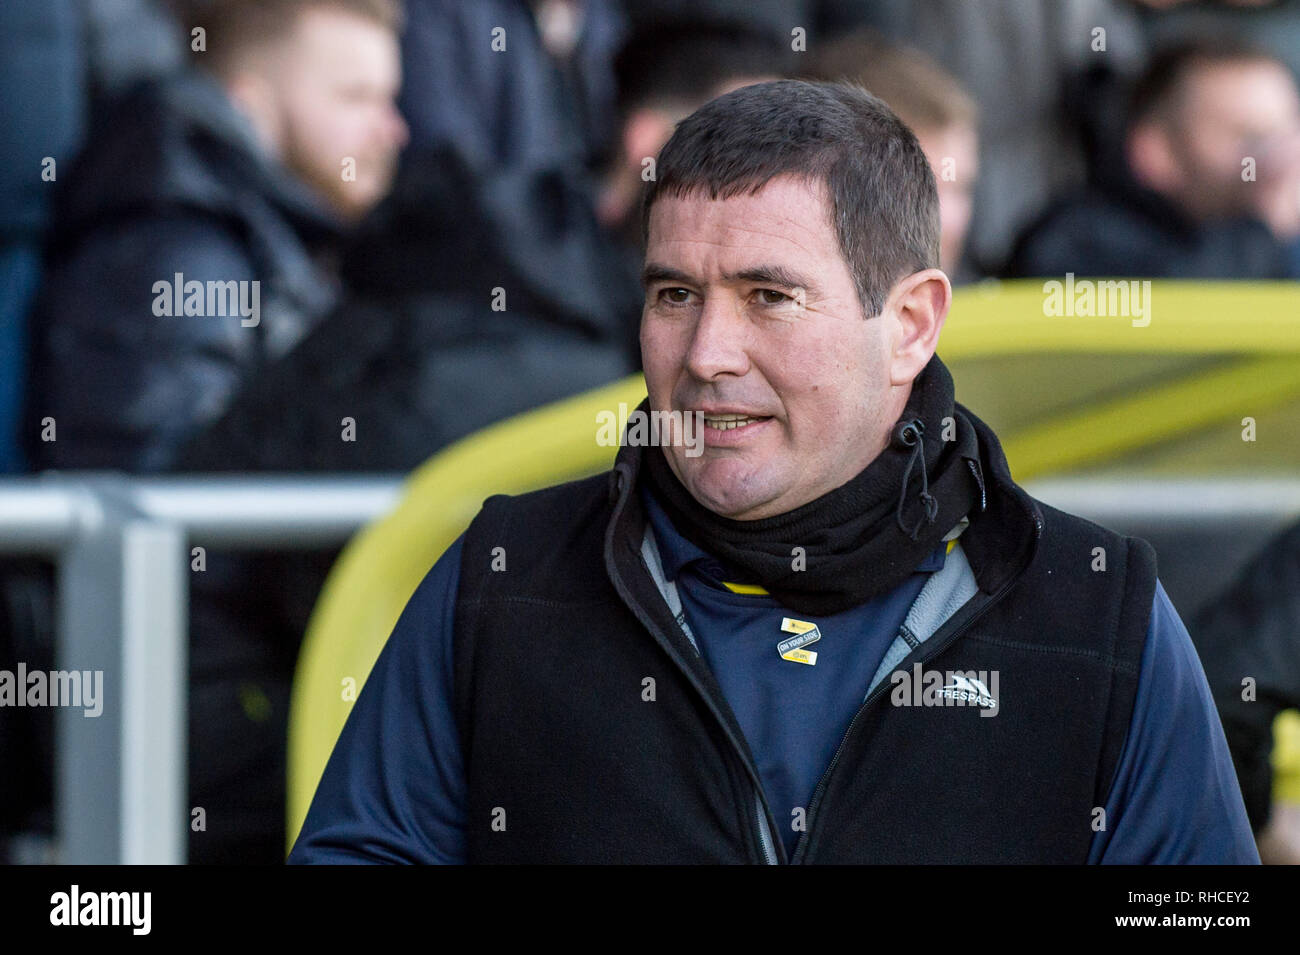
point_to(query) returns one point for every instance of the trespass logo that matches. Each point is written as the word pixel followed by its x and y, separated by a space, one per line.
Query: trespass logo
pixel 918 687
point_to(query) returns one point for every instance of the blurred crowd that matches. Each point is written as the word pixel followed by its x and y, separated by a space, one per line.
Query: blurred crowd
pixel 228 225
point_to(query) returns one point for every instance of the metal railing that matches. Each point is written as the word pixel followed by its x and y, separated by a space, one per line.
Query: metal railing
pixel 122 547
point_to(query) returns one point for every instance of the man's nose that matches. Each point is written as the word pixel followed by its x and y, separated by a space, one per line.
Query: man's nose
pixel 398 132
pixel 387 127
pixel 719 345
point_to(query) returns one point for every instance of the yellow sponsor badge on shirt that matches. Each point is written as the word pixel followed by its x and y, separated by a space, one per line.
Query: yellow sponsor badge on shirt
pixel 792 648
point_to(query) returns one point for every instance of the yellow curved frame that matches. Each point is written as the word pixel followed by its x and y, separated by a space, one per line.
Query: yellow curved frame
pixel 1286 757
pixel 381 567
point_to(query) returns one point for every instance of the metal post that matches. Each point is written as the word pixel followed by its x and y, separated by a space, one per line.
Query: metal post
pixel 123 587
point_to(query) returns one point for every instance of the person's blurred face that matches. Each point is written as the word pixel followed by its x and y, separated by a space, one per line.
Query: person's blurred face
pixel 1230 111
pixel 752 317
pixel 645 130
pixel 953 153
pixel 336 78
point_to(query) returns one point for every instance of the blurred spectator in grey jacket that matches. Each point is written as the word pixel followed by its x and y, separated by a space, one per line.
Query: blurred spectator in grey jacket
pixel 939 111
pixel 1210 181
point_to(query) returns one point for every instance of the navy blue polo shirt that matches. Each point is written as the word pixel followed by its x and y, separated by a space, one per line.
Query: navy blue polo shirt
pixel 793 714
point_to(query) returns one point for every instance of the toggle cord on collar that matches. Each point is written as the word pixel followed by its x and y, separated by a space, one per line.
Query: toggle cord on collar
pixel 908 434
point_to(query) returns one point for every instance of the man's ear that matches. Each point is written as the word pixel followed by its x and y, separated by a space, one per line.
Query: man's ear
pixel 255 97
pixel 644 133
pixel 1151 158
pixel 918 305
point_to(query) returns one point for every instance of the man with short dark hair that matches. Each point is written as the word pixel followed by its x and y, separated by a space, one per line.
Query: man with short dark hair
pixel 807 616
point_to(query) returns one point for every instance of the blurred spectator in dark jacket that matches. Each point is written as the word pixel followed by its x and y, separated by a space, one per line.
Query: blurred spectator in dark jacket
pixel 939 111
pixel 1210 186
pixel 196 243
pixel 1249 642
pixel 512 84
pixel 511 110
pixel 244 171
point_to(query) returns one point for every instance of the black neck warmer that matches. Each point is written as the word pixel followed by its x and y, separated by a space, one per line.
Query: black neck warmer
pixel 862 539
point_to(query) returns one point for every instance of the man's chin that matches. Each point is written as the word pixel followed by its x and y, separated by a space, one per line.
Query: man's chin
pixel 727 491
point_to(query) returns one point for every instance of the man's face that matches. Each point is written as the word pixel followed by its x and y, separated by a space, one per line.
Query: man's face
pixel 751 314
pixel 338 77
pixel 1231 111
pixel 953 152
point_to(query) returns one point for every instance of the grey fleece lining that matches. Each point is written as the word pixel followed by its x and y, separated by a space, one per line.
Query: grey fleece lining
pixel 650 554
pixel 942 596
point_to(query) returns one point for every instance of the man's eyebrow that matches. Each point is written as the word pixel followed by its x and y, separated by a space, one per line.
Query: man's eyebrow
pixel 771 275
pixel 654 272
pixel 761 274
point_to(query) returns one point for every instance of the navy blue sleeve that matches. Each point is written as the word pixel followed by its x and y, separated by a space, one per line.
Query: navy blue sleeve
pixel 1175 797
pixel 394 788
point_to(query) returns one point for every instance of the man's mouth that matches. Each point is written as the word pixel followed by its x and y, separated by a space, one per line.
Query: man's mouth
pixel 729 422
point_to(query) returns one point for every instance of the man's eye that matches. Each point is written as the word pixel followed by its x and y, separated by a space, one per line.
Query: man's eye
pixel 770 296
pixel 675 296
